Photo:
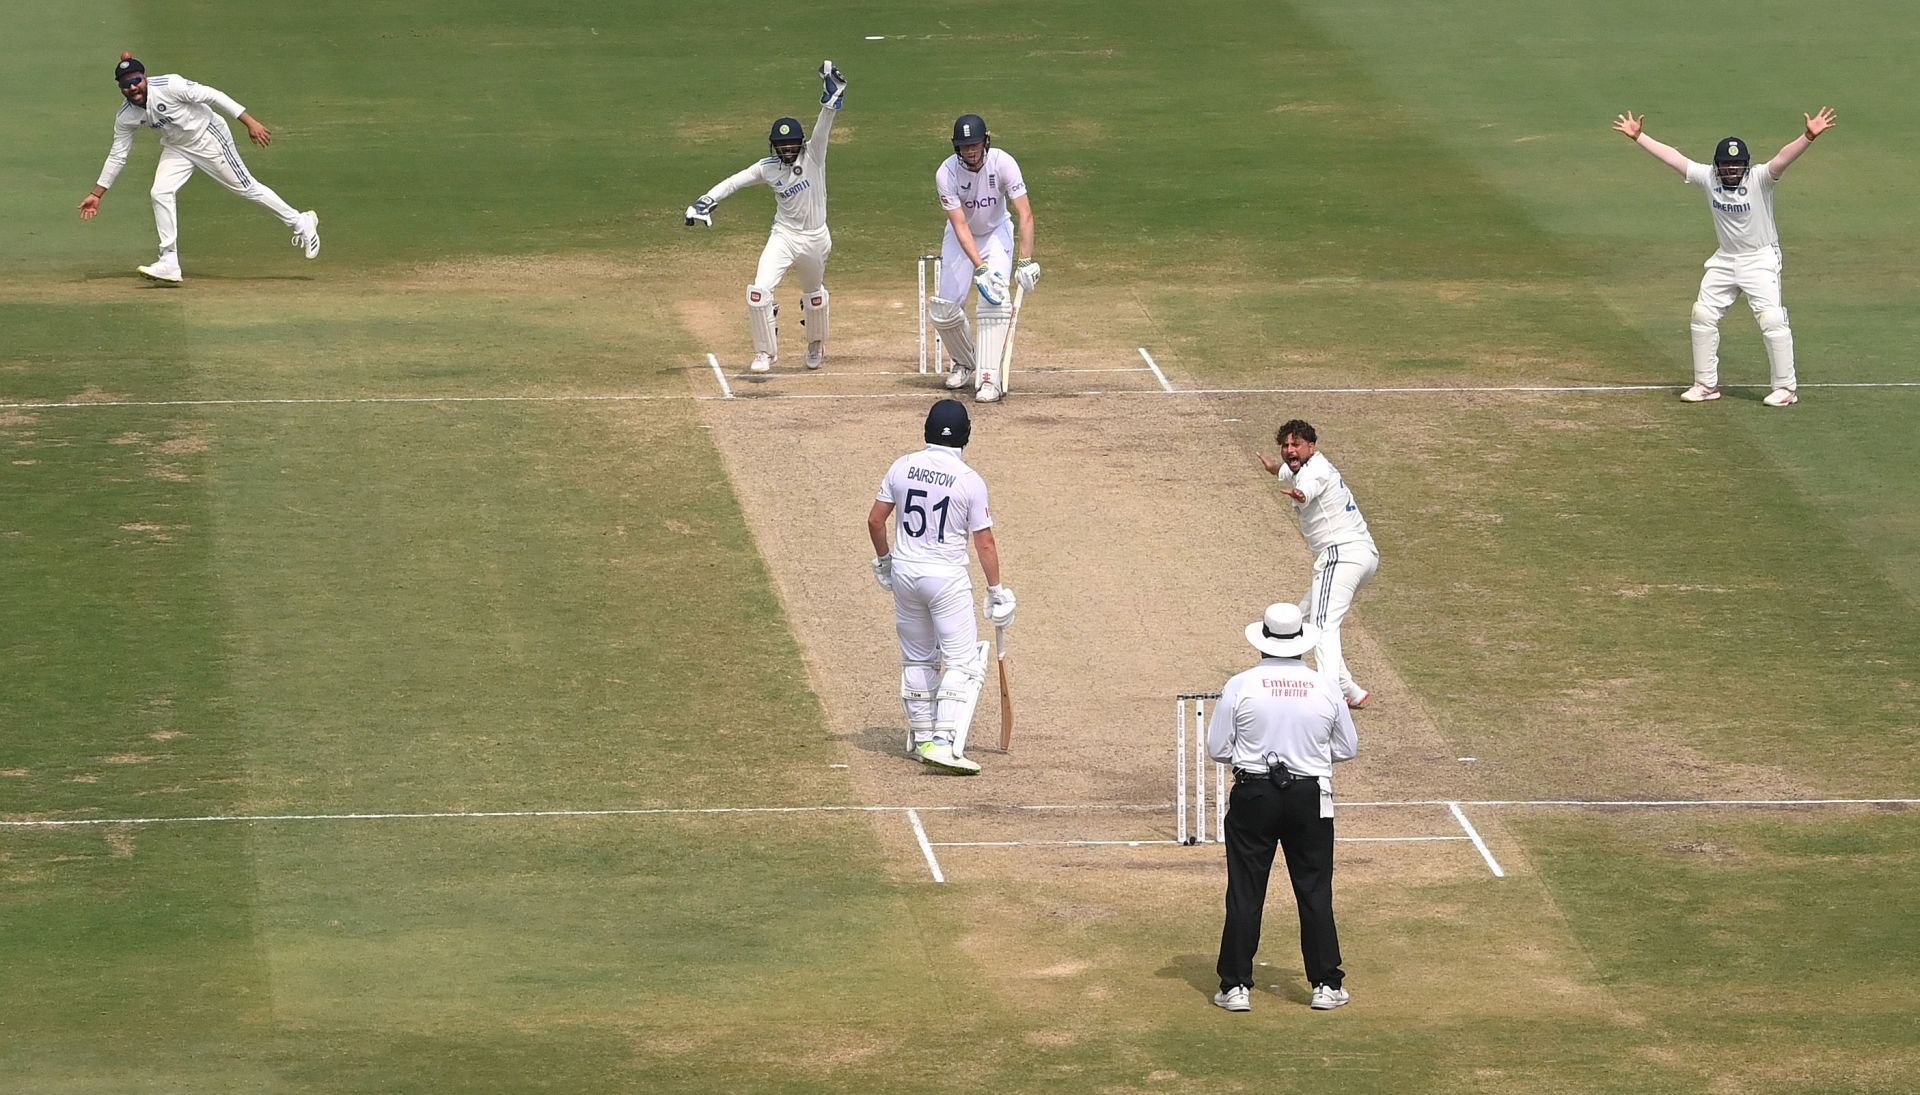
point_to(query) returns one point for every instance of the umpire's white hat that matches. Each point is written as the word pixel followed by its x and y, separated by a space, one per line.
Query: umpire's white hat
pixel 1283 632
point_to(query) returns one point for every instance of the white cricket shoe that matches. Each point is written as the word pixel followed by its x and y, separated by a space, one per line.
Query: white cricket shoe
pixel 761 363
pixel 989 393
pixel 940 754
pixel 1700 393
pixel 1326 998
pixel 816 354
pixel 1236 998
pixel 306 233
pixel 165 269
pixel 959 377
pixel 1781 397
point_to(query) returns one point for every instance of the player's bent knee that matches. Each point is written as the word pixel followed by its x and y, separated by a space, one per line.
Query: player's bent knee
pixel 1704 316
pixel 1772 320
pixel 758 297
pixel 945 313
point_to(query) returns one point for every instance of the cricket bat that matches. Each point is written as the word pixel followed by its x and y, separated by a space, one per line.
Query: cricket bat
pixel 1006 696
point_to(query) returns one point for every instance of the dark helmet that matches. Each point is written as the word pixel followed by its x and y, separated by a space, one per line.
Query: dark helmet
pixel 947 424
pixel 970 129
pixel 127 66
pixel 1730 159
pixel 787 138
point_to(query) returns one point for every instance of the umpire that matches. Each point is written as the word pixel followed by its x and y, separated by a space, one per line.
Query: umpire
pixel 1283 726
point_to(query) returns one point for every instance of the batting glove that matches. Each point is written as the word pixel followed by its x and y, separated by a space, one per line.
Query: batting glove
pixel 883 571
pixel 834 84
pixel 991 283
pixel 1027 273
pixel 701 211
pixel 1000 606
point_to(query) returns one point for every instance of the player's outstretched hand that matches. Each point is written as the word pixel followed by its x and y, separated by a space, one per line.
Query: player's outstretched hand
pixel 258 133
pixel 991 283
pixel 1027 273
pixel 1631 124
pixel 833 85
pixel 89 207
pixel 701 211
pixel 1821 122
pixel 1271 465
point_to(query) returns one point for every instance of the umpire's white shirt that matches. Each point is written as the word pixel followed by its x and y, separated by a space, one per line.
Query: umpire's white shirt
pixel 938 503
pixel 799 188
pixel 1286 709
pixel 1742 216
pixel 1329 517
pixel 182 112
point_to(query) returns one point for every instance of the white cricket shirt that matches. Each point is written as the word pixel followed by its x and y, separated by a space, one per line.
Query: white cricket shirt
pixel 799 189
pixel 1329 517
pixel 938 502
pixel 182 112
pixel 1286 708
pixel 1743 216
pixel 984 194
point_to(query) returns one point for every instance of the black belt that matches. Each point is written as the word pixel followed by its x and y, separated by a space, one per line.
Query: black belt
pixel 1283 778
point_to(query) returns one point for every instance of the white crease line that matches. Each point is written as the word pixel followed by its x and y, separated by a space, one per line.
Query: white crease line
pixel 720 375
pixel 1143 843
pixel 1474 834
pixel 631 397
pixel 829 374
pixel 668 811
pixel 1155 366
pixel 926 849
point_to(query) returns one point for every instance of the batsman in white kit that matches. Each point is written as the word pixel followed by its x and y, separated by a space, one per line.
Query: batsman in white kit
pixel 797 174
pixel 940 503
pixel 978 185
pixel 1748 259
pixel 1344 555
pixel 192 138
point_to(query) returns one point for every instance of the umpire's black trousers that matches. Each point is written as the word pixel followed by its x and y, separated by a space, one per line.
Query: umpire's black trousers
pixel 1259 817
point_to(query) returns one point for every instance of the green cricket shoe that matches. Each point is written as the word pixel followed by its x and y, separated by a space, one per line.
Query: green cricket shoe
pixel 939 754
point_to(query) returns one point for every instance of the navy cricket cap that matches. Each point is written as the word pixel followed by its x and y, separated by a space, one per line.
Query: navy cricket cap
pixel 947 424
pixel 1731 150
pixel 129 66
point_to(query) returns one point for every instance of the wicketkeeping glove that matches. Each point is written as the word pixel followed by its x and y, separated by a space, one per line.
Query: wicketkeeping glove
pixel 991 283
pixel 834 84
pixel 1000 606
pixel 883 571
pixel 701 211
pixel 1027 273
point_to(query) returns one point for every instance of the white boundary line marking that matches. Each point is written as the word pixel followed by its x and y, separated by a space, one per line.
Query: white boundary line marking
pixel 917 393
pixel 720 375
pixel 1474 835
pixel 1155 366
pixel 1143 842
pixel 982 807
pixel 926 849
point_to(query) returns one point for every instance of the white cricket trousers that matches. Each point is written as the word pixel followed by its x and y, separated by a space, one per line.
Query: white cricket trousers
pixel 956 273
pixel 804 253
pixel 219 159
pixel 1338 574
pixel 933 615
pixel 1757 274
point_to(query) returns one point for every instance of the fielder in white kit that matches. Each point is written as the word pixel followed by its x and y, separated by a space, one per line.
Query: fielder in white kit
pixel 1748 259
pixel 943 664
pixel 1344 555
pixel 977 186
pixel 192 138
pixel 797 174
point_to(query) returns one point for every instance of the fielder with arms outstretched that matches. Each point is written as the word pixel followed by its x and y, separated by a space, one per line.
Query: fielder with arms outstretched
pixel 977 186
pixel 943 664
pixel 1748 259
pixel 797 173
pixel 192 138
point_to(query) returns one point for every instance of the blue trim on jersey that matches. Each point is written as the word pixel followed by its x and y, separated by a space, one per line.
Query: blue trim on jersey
pixel 1326 586
pixel 232 155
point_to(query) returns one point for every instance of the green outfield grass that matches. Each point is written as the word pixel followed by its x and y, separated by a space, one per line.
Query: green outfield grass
pixel 222 609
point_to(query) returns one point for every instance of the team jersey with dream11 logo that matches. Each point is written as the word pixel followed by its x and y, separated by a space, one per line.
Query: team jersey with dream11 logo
pixel 984 194
pixel 1743 216
pixel 1329 517
pixel 938 502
